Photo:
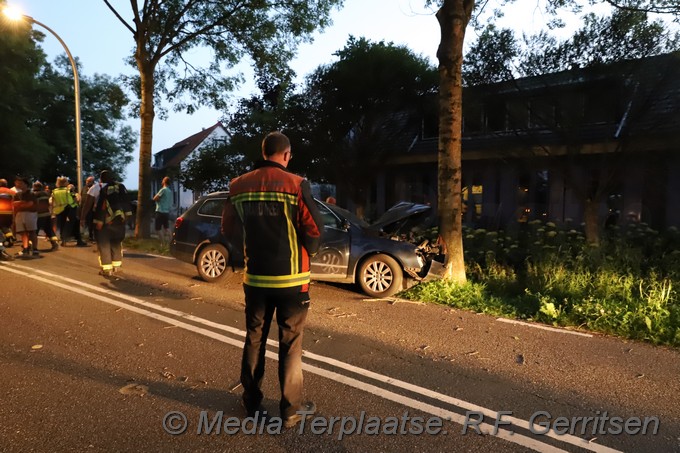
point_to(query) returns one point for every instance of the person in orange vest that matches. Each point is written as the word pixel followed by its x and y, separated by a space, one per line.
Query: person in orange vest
pixel 44 214
pixel 6 214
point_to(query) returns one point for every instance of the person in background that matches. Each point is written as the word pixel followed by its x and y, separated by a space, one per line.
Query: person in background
pixel 6 213
pixel 44 215
pixel 110 212
pixel 26 217
pixel 163 201
pixel 65 209
pixel 85 215
pixel 280 222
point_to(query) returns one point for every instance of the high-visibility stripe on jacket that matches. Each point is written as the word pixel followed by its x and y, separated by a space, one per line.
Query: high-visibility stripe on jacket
pixel 280 223
pixel 62 197
pixel 112 204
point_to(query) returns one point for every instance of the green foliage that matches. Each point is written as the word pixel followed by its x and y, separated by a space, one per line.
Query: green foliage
pixel 37 113
pixel 212 168
pixel 627 286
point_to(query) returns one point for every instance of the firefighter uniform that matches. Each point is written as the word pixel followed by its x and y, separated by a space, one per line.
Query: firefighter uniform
pixel 110 212
pixel 280 223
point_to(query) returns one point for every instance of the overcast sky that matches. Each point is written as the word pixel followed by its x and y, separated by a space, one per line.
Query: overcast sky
pixel 101 44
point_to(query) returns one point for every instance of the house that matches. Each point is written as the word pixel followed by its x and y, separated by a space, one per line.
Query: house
pixel 601 141
pixel 168 163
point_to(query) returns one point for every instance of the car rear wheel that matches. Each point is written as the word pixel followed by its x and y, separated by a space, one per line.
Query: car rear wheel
pixel 212 262
pixel 380 276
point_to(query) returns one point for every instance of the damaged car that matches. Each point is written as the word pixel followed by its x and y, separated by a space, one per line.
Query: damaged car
pixel 382 258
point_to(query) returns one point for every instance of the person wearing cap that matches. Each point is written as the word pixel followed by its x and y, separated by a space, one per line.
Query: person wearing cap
pixel 110 212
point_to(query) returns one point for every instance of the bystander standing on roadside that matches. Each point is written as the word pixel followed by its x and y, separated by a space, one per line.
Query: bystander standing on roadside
pixel 44 215
pixel 281 222
pixel 26 217
pixel 64 207
pixel 163 201
pixel 85 214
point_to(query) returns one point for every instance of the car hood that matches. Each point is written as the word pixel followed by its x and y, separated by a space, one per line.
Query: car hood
pixel 401 211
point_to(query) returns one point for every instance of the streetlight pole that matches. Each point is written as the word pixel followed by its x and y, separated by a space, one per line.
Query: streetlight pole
pixel 76 85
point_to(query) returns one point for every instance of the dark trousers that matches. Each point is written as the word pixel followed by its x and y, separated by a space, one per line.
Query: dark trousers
pixel 110 244
pixel 45 224
pixel 291 314
pixel 70 214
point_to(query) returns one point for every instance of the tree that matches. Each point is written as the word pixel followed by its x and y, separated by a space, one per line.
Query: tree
pixel 22 149
pixel 164 32
pixel 37 116
pixel 453 17
pixel 107 143
pixel 211 169
pixel 490 57
pixel 350 109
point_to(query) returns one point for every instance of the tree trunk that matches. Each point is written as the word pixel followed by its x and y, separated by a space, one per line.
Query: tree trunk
pixel 591 217
pixel 453 18
pixel 147 114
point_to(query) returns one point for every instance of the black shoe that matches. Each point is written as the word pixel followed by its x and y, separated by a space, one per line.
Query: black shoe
pixel 306 410
pixel 55 245
pixel 36 253
pixel 254 412
pixel 106 273
pixel 4 256
pixel 82 244
pixel 24 253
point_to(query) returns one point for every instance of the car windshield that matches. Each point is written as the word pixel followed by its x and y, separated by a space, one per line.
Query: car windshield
pixel 345 214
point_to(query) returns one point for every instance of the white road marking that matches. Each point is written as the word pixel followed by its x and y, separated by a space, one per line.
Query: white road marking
pixel 542 327
pixel 529 442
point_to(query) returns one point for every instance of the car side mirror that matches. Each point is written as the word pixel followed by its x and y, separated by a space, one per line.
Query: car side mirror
pixel 345 225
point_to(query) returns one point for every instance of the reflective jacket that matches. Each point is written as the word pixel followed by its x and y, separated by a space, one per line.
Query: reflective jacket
pixel 280 226
pixel 6 199
pixel 62 197
pixel 112 205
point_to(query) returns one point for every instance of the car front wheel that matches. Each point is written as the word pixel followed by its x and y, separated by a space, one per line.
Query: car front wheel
pixel 380 276
pixel 212 262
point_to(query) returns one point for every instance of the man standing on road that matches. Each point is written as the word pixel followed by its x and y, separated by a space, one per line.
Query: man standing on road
pixel 110 212
pixel 163 201
pixel 281 231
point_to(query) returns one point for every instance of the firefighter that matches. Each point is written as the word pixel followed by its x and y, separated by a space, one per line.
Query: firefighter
pixel 6 213
pixel 110 212
pixel 44 214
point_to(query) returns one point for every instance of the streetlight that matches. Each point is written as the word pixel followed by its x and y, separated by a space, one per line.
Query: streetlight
pixel 14 14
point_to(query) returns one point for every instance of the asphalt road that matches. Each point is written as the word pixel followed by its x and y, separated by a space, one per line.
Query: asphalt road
pixel 90 364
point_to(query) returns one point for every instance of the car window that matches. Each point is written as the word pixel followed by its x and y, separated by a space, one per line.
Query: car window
pixel 212 207
pixel 329 219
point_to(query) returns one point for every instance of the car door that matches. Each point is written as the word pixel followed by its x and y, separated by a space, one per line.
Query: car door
pixel 332 260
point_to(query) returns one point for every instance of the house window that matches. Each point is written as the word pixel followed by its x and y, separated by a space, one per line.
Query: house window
pixel 518 114
pixel 541 113
pixel 473 118
pixel 494 111
pixel 600 106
